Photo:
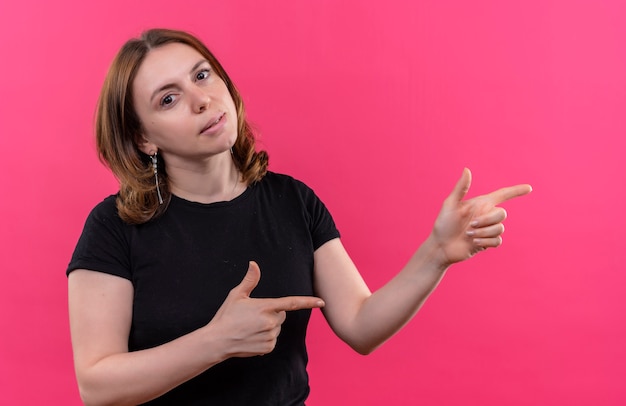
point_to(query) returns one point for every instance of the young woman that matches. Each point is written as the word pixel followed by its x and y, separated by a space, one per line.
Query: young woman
pixel 194 284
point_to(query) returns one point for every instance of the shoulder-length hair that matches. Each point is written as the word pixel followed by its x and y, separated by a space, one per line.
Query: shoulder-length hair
pixel 119 131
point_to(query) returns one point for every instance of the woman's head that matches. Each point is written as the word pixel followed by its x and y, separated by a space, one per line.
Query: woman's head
pixel 120 132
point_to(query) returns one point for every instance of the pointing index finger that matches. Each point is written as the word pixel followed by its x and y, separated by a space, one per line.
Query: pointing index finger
pixel 507 193
pixel 290 303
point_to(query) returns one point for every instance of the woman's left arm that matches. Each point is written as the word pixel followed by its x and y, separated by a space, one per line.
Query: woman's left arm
pixel 365 320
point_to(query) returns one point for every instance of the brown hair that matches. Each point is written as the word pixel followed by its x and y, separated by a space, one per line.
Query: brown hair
pixel 118 130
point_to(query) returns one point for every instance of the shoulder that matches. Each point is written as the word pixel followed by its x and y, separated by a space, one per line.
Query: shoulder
pixel 104 242
pixel 106 206
pixel 280 186
pixel 105 216
pixel 300 198
pixel 106 210
pixel 279 180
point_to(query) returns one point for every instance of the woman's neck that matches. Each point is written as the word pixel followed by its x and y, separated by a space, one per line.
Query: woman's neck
pixel 214 180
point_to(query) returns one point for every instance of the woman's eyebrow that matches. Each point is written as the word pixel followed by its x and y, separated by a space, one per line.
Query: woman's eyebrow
pixel 172 85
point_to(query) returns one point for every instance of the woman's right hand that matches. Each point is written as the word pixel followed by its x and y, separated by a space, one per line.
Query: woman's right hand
pixel 251 326
pixel 101 316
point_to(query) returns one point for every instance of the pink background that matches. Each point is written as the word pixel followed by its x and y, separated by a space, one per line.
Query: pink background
pixel 378 106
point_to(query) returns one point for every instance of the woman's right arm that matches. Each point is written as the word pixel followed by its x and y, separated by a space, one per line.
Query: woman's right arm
pixel 100 317
pixel 100 307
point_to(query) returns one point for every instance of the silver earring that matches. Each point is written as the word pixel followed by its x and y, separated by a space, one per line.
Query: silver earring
pixel 156 176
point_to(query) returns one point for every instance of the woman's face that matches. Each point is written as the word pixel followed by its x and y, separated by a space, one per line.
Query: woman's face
pixel 185 109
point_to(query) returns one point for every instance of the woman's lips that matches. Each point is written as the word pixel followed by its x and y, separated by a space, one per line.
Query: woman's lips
pixel 214 124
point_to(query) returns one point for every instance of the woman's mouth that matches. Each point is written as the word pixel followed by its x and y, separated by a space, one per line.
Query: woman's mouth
pixel 213 124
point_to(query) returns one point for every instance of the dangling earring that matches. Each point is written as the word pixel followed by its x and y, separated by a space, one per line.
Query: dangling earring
pixel 156 176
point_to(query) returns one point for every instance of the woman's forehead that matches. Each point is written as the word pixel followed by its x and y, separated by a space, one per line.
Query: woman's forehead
pixel 171 57
pixel 167 63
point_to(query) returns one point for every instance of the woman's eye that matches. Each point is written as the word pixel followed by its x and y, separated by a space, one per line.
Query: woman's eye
pixel 203 74
pixel 167 100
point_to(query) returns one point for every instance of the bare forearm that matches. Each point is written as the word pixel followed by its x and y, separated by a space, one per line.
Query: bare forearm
pixel 100 319
pixel 136 377
pixel 462 229
pixel 388 309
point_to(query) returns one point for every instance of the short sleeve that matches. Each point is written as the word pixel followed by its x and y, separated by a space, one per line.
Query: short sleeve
pixel 321 223
pixel 103 245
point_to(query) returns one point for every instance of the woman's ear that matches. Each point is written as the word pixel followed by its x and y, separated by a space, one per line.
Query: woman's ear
pixel 147 147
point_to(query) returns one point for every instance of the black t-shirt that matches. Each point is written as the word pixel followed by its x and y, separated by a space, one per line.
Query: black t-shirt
pixel 183 264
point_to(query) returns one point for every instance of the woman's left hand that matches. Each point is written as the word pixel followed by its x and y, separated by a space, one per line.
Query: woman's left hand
pixel 465 227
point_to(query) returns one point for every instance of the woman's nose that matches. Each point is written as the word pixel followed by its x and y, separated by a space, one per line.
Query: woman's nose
pixel 200 99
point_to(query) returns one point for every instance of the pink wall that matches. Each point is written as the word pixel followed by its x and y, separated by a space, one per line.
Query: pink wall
pixel 378 106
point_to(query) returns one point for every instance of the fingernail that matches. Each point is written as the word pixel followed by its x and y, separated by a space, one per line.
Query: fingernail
pixel 470 233
pixel 477 241
pixel 474 223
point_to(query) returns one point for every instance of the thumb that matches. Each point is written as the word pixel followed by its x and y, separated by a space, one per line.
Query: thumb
pixel 462 187
pixel 251 279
